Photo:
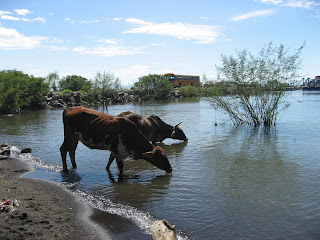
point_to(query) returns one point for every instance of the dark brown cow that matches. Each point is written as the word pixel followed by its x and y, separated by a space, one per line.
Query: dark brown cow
pixel 116 134
pixel 153 128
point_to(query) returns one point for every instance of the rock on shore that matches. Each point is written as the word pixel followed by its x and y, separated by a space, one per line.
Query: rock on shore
pixel 162 230
pixel 58 99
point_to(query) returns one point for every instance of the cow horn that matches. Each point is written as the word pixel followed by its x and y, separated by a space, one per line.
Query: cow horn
pixel 178 124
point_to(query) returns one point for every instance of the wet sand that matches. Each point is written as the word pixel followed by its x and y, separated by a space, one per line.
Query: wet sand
pixel 46 210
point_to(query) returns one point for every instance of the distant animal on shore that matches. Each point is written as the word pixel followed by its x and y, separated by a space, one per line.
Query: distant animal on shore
pixel 153 128
pixel 119 135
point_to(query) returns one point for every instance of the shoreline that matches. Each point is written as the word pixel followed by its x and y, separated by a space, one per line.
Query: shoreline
pixel 46 209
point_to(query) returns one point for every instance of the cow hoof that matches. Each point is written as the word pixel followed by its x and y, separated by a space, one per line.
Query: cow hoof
pixel 65 171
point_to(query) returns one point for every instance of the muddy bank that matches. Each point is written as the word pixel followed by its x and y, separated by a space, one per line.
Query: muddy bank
pixel 45 210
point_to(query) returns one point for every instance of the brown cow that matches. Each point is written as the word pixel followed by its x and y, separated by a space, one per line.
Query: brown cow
pixel 119 135
pixel 153 128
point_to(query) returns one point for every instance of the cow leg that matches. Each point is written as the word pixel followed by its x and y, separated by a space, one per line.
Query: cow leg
pixel 119 163
pixel 111 158
pixel 72 153
pixel 118 159
pixel 69 145
pixel 63 151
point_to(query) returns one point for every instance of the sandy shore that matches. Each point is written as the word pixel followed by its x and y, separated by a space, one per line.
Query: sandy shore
pixel 46 210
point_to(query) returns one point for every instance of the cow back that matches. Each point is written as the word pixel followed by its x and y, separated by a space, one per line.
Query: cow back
pixel 102 131
pixel 152 127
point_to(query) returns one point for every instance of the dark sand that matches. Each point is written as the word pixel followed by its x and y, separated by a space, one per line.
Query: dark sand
pixel 46 210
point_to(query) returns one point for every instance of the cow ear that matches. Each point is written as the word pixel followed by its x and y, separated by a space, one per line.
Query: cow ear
pixel 148 154
pixel 173 133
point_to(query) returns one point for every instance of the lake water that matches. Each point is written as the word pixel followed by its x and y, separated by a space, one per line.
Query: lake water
pixel 227 182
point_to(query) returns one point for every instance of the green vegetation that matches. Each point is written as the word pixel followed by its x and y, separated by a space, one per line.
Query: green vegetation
pixel 152 86
pixel 250 88
pixel 75 83
pixel 52 79
pixel 21 91
pixel 104 84
pixel 190 91
pixel 258 82
pixel 64 91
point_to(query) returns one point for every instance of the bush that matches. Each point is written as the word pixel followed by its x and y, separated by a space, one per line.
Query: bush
pixel 189 91
pixel 20 91
pixel 64 91
pixel 153 86
pixel 75 83
pixel 254 79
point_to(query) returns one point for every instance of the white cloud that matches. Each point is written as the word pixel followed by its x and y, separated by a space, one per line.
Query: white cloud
pixel 200 33
pixel 261 13
pixel 108 41
pixel 299 3
pixel 275 2
pixel 292 3
pixel 22 12
pixel 117 19
pixel 89 22
pixel 11 39
pixel 69 20
pixel 108 51
pixel 57 48
pixel 158 44
pixel 80 49
pixel 40 19
pixel 4 12
pixel 7 17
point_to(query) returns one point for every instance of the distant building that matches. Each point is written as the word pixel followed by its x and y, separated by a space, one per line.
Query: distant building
pixel 183 80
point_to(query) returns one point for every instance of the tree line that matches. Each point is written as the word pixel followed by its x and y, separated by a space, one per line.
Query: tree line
pixel 253 83
pixel 20 91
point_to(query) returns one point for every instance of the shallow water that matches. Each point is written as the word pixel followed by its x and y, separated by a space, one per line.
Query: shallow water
pixel 227 182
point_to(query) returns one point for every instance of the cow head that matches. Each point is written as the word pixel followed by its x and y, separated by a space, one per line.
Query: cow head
pixel 158 158
pixel 177 133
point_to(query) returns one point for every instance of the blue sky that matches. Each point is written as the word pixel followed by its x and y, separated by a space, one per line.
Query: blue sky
pixel 132 38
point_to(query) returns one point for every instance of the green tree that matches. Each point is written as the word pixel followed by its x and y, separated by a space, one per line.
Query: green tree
pixel 75 83
pixel 106 83
pixel 255 79
pixel 153 86
pixel 52 80
pixel 9 101
pixel 189 91
pixel 33 93
pixel 20 91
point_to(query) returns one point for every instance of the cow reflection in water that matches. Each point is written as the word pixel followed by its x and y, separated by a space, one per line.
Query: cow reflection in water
pixel 153 128
pixel 119 135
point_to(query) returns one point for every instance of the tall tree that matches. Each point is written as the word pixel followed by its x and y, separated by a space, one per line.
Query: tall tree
pixel 20 91
pixel 259 81
pixel 52 80
pixel 106 82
